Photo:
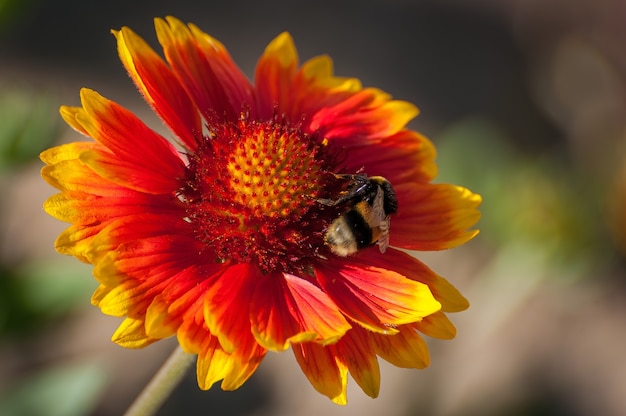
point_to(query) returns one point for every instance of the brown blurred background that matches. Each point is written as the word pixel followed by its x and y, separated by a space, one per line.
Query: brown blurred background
pixel 525 100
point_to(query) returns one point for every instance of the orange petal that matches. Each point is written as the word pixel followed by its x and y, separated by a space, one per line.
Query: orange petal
pixel 159 87
pixel 450 298
pixel 131 334
pixel 213 363
pixel 287 309
pixel 204 68
pixel 244 365
pixel 274 76
pixel 405 156
pixel 144 245
pixel 406 349
pixel 325 372
pixel 76 240
pixel 65 152
pixel 128 174
pixel 85 209
pixel 232 291
pixel 70 114
pixel 315 87
pixel 146 263
pixel 369 114
pixel 376 298
pixel 182 299
pixel 433 216
pixel 156 161
pixel 357 352
pixel 436 325
pixel 74 175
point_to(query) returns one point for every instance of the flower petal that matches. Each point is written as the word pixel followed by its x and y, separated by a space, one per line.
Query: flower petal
pixel 436 325
pixel 405 156
pixel 158 167
pixel 227 307
pixel 315 87
pixel 357 352
pixel 204 67
pixel 138 259
pixel 65 152
pixel 131 334
pixel 377 298
pixel 127 174
pixel 182 299
pixel 406 349
pixel 159 87
pixel 287 309
pixel 325 372
pixel 86 209
pixel 73 175
pixel 214 363
pixel 244 365
pixel 274 76
pixel 433 216
pixel 76 240
pixel 450 298
pixel 369 114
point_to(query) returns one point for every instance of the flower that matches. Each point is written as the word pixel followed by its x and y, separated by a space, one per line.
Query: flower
pixel 219 238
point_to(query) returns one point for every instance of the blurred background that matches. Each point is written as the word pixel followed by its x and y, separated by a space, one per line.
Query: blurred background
pixel 525 101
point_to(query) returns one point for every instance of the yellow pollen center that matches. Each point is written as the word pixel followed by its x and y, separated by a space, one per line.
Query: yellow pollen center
pixel 273 172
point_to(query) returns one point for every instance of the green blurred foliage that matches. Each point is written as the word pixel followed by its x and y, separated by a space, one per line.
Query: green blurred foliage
pixel 29 123
pixel 539 201
pixel 66 390
pixel 10 10
pixel 40 293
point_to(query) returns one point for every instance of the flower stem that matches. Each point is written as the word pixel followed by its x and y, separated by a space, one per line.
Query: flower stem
pixel 162 384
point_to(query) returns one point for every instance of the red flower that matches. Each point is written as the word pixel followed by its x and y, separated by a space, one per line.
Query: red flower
pixel 220 241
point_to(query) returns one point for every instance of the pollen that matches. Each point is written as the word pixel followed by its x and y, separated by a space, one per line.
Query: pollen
pixel 273 170
pixel 252 192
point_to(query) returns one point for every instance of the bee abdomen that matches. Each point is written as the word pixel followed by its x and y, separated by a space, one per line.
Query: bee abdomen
pixel 348 234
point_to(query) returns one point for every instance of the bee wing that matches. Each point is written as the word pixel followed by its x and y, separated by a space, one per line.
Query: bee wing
pixel 378 208
pixel 383 239
pixel 380 220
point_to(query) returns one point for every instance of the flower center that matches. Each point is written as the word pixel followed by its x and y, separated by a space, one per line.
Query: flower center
pixel 251 194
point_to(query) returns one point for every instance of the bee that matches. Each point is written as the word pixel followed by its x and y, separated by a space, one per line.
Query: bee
pixel 371 201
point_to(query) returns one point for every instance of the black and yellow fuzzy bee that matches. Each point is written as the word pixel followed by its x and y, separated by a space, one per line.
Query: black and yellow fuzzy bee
pixel 371 201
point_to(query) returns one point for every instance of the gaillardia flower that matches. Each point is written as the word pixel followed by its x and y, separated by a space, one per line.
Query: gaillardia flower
pixel 219 238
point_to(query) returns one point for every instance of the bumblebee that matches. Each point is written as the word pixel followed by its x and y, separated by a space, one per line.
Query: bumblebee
pixel 370 202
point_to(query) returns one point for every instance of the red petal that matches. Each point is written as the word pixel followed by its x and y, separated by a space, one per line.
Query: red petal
pixel 159 87
pixel 274 77
pixel 204 68
pixel 376 298
pixel 227 307
pixel 315 87
pixel 131 334
pixel 126 173
pixel 357 352
pixel 325 372
pixel 405 156
pixel 366 115
pixel 65 171
pixel 287 309
pixel 450 298
pixel 433 216
pixel 139 259
pixel 436 325
pixel 155 160
pixel 405 349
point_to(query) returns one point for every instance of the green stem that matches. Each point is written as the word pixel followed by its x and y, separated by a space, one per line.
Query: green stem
pixel 162 384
